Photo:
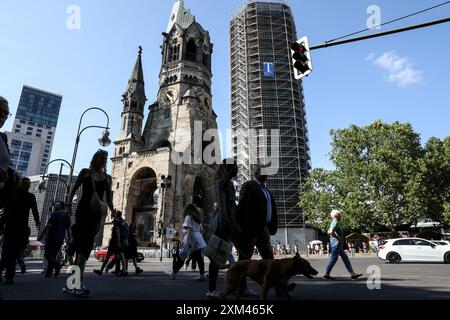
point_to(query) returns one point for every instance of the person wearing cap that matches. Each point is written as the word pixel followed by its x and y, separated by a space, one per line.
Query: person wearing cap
pixel 336 234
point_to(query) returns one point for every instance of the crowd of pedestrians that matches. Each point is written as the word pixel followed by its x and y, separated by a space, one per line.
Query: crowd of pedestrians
pixel 244 225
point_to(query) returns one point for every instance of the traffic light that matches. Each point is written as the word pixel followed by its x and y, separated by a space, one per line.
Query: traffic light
pixel 301 58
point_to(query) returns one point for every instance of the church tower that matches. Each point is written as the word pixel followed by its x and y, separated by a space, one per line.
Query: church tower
pixel 133 100
pixel 184 94
pixel 157 170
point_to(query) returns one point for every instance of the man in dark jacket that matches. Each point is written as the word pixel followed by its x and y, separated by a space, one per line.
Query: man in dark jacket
pixel 16 227
pixel 56 231
pixel 257 217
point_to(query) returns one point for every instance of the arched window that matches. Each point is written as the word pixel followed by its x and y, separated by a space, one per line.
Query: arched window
pixel 174 52
pixel 191 51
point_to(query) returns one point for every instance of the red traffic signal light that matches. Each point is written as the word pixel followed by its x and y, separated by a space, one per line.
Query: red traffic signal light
pixel 297 47
pixel 301 58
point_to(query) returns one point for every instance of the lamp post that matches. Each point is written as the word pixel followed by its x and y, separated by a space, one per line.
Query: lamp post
pixel 165 184
pixel 41 185
pixel 103 140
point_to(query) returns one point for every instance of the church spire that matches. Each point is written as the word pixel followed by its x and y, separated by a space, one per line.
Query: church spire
pixel 136 83
pixel 133 107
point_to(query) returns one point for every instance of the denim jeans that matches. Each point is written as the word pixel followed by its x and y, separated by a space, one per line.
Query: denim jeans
pixel 337 250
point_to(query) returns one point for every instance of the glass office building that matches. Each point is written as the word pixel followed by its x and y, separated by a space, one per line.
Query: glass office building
pixel 33 132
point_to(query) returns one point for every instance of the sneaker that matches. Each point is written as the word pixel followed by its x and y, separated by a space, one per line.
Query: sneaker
pixel 23 269
pixel 138 271
pixel 67 290
pixel 82 292
pixel 249 293
pixel 99 272
pixel 356 276
pixel 201 278
pixel 328 277
pixel 291 286
pixel 212 294
pixel 172 275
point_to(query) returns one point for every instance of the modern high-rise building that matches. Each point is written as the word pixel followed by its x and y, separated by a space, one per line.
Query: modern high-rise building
pixel 265 95
pixel 33 131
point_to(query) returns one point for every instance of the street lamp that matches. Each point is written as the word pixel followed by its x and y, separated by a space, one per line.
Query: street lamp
pixel 104 140
pixel 41 185
pixel 165 184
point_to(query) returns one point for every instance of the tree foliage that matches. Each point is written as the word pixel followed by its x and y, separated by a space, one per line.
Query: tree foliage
pixel 382 176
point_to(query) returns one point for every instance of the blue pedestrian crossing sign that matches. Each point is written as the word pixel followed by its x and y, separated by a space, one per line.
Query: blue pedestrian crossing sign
pixel 269 69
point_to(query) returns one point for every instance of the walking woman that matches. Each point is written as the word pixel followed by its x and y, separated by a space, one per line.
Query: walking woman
pixel 227 226
pixel 88 216
pixel 131 252
pixel 336 234
pixel 175 244
pixel 193 242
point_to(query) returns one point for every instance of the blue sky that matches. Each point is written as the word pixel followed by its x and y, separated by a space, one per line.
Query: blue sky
pixel 401 77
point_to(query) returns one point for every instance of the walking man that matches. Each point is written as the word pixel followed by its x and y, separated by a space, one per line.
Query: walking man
pixel 16 228
pixel 336 234
pixel 257 217
pixel 56 229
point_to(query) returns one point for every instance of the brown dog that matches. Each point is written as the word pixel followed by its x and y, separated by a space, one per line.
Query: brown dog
pixel 267 273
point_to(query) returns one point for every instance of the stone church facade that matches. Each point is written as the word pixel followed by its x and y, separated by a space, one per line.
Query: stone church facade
pixel 163 145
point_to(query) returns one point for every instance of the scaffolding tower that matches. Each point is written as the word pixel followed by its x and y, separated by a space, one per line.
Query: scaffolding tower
pixel 261 32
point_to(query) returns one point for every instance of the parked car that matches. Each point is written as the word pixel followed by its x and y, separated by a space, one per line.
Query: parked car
pixel 413 249
pixel 100 255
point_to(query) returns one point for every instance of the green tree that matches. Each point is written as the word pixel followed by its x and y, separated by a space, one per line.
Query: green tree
pixel 375 177
pixel 430 190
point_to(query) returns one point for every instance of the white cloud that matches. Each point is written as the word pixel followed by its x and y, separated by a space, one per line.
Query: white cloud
pixel 370 56
pixel 400 69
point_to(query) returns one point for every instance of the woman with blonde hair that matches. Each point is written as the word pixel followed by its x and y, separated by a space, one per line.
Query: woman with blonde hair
pixel 193 242
pixel 336 234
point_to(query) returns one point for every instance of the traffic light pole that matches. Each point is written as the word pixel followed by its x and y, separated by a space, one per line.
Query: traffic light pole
pixel 381 34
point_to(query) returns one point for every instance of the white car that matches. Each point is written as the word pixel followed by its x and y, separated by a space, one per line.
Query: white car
pixel 413 249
